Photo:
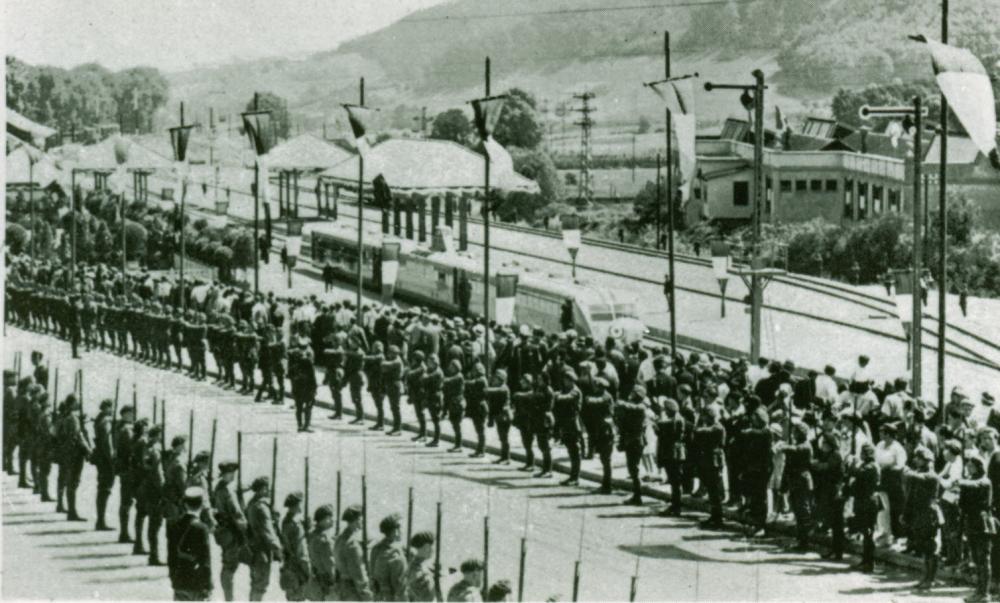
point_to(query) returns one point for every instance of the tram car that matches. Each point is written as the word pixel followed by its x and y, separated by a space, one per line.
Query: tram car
pixel 429 275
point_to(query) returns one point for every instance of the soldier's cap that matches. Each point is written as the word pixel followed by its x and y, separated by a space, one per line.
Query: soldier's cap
pixel 202 457
pixel 639 391
pixel 140 423
pixel 323 512
pixel 471 565
pixel 569 374
pixel 351 513
pixel 194 495
pixel 958 390
pixel 986 430
pixel 70 401
pixel 261 483
pixel 389 523
pixel 501 375
pixel 106 404
pixel 602 383
pixel 761 415
pixel 293 499
pixel 499 591
pixel 178 441
pixel 988 398
pixel 421 539
pixel 776 431
pixel 671 405
pixel 227 466
pixel 684 388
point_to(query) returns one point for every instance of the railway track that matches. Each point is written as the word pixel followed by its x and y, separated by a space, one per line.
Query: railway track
pixel 863 300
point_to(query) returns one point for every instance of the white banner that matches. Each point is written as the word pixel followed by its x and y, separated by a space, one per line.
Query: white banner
pixel 504 310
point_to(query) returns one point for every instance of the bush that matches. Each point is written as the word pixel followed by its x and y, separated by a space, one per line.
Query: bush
pixel 17 238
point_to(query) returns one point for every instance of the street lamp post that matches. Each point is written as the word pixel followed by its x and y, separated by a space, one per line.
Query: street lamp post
pixel 258 128
pixel 293 245
pixel 911 116
pixel 179 137
pixel 720 266
pixel 753 97
pixel 571 237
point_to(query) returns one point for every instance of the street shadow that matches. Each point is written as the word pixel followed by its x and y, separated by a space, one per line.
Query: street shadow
pixel 564 494
pixel 26 514
pixel 625 515
pixel 82 556
pixel 80 544
pixel 125 579
pixel 607 505
pixel 707 537
pixel 110 567
pixel 40 520
pixel 55 532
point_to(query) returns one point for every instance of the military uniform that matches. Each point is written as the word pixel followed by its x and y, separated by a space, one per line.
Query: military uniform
pixel 414 393
pixel 324 569
pixel 295 569
pixel 798 482
pixel 230 533
pixel 264 545
pixel 354 359
pixel 151 498
pixel 303 377
pixel 475 406
pixel 864 491
pixel 420 581
pixel 599 408
pixel 464 591
pixel 979 527
pixel 373 375
pixel 174 485
pixel 104 460
pixel 189 558
pixel 388 571
pixel 392 384
pixel 124 442
pixel 431 392
pixel 74 449
pixel 710 459
pixel 352 582
pixel 631 417
pixel 334 379
pixel 453 392
pixel 566 410
pixel 41 448
pixel 671 451
pixel 500 413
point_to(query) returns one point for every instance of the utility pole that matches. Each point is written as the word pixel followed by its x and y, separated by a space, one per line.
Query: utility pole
pixel 942 228
pixel 672 298
pixel 486 246
pixel 361 210
pixel 585 186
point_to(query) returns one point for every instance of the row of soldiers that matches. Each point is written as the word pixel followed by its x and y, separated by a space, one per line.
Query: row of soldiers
pixel 319 560
pixel 758 434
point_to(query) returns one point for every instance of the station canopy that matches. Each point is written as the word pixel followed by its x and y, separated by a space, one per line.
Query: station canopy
pixel 100 157
pixel 306 152
pixel 19 170
pixel 427 167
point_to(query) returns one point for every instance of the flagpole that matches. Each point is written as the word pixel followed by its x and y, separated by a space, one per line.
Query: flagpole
pixel 486 247
pixel 361 207
pixel 942 227
pixel 256 214
pixel 670 208
pixel 181 193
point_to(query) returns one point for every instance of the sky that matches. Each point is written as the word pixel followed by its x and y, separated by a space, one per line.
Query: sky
pixel 174 35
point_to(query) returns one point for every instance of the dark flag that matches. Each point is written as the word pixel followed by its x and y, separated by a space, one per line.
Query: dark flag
pixel 258 128
pixel 360 119
pixel 179 138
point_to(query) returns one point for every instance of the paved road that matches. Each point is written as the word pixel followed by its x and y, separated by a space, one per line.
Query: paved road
pixel 44 557
pixel 808 341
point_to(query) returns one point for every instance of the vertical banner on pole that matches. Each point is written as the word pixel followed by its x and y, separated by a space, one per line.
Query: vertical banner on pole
pixel 506 299
pixel 463 223
pixel 435 212
pixel 390 269
pixel 449 210
pixel 408 208
pixel 396 226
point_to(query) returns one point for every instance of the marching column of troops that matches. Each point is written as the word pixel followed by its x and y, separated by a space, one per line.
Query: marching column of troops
pixel 843 455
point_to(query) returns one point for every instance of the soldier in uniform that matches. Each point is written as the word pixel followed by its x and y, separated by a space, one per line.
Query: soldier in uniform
pixel 42 444
pixel 334 361
pixel 321 556
pixel 924 490
pixel 500 413
pixel 421 570
pixel 264 544
pixel 73 323
pixel 189 554
pixel 276 356
pixel 566 409
pixel 373 375
pixel 431 392
pixel 231 525
pixel 23 402
pixel 264 364
pixel 470 587
pixel 708 441
pixel 295 569
pixel 600 406
pixel 522 418
pixel 453 392
pixel 414 392
pixel 978 523
pixel 475 406
pixel 247 346
pixel 40 372
pixel 75 449
pixel 757 468
pixel 151 492
pixel 175 479
pixel 10 421
pixel 197 477
pixel 671 451
pixel 798 482
pixel 542 422
pixel 352 582
pixel 631 421
pixel 177 336
pixel 125 435
pixel 388 563
pixel 354 359
pixel 104 460
pixel 392 384
pixel 303 377
pixel 194 337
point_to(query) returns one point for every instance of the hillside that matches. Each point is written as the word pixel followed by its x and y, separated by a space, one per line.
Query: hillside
pixel 434 57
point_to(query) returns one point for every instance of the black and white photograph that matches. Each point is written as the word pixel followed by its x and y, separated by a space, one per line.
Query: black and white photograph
pixel 501 300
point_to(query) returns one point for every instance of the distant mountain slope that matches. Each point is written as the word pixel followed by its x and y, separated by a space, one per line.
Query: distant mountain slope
pixel 553 48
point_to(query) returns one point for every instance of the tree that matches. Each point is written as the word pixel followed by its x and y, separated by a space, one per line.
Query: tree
pixel 452 125
pixel 135 241
pixel 644 125
pixel 278 106
pixel 518 125
pixel 538 166
pixel 17 238
pixel 519 206
pixel 243 256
